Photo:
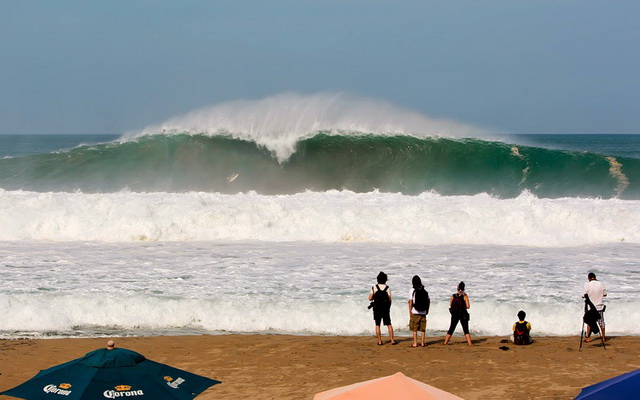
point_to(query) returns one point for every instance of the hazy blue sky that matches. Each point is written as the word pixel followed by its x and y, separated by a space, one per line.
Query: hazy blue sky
pixel 514 66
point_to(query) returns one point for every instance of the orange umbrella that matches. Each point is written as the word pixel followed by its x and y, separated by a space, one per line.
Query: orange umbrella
pixel 396 386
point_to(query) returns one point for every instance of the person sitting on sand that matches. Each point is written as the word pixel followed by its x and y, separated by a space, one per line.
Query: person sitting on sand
pixel 381 296
pixel 521 330
pixel 458 306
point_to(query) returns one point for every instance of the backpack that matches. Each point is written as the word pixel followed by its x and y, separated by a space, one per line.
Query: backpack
pixel 421 300
pixel 521 333
pixel 458 306
pixel 381 300
pixel 591 316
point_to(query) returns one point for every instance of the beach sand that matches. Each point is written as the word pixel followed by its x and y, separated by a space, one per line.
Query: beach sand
pixel 296 367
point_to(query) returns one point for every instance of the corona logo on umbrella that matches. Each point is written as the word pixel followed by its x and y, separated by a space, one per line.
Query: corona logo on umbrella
pixel 173 384
pixel 61 389
pixel 122 391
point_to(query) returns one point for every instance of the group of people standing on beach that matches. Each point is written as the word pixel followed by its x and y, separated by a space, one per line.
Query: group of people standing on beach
pixel 418 303
pixel 459 304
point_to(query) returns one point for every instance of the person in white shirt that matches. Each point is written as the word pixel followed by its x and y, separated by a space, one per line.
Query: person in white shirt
pixel 596 292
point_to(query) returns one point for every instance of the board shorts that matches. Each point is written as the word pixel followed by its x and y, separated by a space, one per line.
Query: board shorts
pixel 601 320
pixel 382 316
pixel 417 323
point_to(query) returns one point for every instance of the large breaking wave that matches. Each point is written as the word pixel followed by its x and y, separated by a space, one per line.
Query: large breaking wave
pixel 289 144
pixel 356 162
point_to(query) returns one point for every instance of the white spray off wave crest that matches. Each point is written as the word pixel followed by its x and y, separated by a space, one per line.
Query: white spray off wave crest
pixel 280 121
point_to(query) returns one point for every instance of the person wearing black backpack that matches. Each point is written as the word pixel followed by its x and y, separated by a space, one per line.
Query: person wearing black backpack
pixel 418 309
pixel 521 330
pixel 458 306
pixel 380 297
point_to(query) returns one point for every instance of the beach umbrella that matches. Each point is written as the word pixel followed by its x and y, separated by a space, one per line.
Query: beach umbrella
pixel 112 374
pixel 625 386
pixel 396 386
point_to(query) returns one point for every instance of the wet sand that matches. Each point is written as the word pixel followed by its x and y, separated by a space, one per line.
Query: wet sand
pixel 296 367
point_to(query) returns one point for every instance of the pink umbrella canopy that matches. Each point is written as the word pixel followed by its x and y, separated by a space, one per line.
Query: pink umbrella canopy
pixel 396 386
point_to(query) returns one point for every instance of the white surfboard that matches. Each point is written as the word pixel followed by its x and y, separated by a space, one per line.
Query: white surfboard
pixel 232 177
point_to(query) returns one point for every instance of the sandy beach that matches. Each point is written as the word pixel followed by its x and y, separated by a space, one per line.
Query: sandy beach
pixel 296 367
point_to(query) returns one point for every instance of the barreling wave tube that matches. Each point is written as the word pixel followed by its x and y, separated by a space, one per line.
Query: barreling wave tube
pixel 325 161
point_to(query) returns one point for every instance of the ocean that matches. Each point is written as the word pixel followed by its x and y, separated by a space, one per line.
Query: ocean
pixel 185 230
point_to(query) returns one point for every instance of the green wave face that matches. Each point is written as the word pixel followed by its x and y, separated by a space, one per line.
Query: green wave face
pixel 363 163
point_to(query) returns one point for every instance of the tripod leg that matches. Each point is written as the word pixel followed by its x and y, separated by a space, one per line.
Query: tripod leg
pixel 581 335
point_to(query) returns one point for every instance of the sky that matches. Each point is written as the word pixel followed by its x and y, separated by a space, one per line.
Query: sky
pixel 508 66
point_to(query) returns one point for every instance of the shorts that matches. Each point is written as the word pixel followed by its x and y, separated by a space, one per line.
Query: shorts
pixel 417 323
pixel 383 317
pixel 601 321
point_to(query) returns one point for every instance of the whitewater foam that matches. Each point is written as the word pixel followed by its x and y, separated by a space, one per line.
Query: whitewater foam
pixel 333 216
pixel 89 288
pixel 339 317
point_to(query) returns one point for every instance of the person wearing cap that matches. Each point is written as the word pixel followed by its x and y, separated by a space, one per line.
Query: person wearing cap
pixel 596 293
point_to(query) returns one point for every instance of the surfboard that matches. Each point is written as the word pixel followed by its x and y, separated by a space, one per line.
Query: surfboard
pixel 232 177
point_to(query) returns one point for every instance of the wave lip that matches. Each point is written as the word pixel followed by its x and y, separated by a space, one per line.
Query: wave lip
pixel 279 122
